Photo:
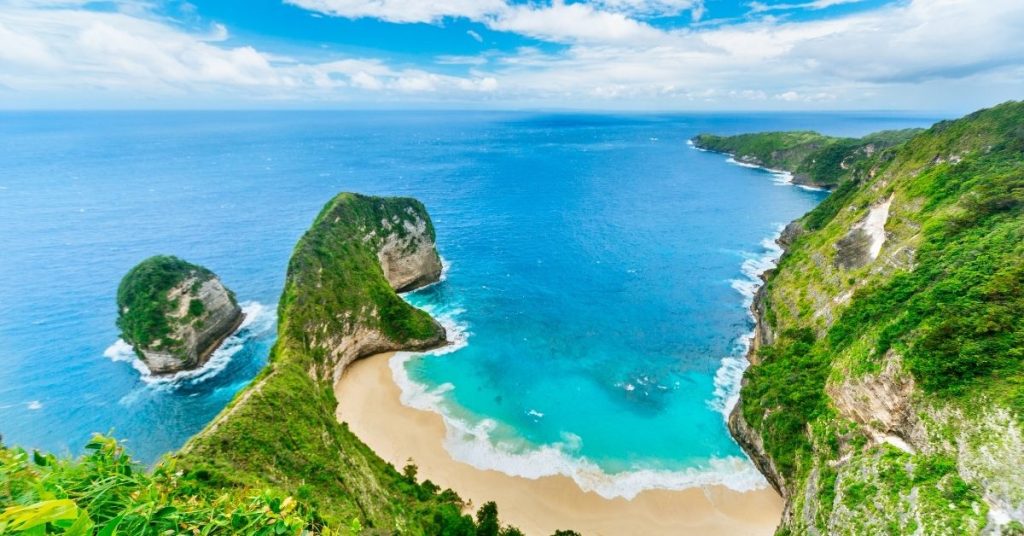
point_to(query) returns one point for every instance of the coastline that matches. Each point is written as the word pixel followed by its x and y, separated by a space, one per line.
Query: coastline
pixel 369 401
pixel 781 177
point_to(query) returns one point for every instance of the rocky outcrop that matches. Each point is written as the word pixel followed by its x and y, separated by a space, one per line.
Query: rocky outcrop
pixel 409 258
pixel 339 303
pixel 881 403
pixel 175 314
pixel 884 401
pixel 359 252
pixel 751 442
pixel 200 336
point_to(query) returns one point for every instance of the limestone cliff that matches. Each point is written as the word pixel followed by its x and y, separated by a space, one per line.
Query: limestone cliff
pixel 885 395
pixel 339 304
pixel 175 314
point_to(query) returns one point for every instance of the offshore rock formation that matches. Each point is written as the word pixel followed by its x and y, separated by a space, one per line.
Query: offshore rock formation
pixel 884 395
pixel 175 314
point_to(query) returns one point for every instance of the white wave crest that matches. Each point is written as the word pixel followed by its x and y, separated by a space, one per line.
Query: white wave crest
pixel 779 176
pixel 259 321
pixel 729 376
pixel 694 146
pixel 474 444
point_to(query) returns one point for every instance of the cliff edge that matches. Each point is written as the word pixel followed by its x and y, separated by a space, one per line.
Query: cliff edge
pixel 339 303
pixel 885 395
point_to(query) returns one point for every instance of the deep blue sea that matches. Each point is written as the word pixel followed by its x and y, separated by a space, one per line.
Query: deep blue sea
pixel 599 272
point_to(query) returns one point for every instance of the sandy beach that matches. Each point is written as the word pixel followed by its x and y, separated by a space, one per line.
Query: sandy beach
pixel 368 400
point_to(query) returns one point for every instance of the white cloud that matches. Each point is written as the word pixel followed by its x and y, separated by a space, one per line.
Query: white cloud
pixel 573 22
pixel 460 60
pixel 405 11
pixel 106 54
pixel 476 36
pixel 656 8
pixel 936 53
pixel 555 20
pixel 761 7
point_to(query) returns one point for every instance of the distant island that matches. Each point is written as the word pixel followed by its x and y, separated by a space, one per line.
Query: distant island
pixel 884 397
pixel 174 313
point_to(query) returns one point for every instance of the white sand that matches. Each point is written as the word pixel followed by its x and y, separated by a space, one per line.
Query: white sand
pixel 368 400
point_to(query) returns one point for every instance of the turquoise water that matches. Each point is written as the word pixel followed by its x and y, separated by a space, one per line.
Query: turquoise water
pixel 599 271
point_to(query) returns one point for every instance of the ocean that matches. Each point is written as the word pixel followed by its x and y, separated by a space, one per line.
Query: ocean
pixel 598 273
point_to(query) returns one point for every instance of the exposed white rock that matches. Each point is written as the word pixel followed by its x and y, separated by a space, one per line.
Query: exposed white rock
pixel 874 226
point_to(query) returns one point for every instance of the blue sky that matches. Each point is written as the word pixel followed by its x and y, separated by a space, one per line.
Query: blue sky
pixel 934 55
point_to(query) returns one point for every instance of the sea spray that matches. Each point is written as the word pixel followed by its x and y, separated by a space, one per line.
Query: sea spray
pixel 260 321
pixel 729 376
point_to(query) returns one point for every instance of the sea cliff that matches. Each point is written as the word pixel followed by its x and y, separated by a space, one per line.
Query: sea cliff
pixel 884 394
pixel 339 304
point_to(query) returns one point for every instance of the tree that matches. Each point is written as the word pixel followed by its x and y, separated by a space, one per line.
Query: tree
pixel 487 520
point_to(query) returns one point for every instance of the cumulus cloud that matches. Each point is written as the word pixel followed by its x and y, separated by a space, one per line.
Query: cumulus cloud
pixel 404 11
pixel 573 22
pixel 761 7
pixel 66 49
pixel 919 51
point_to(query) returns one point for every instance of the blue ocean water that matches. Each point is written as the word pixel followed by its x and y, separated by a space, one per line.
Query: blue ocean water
pixel 599 271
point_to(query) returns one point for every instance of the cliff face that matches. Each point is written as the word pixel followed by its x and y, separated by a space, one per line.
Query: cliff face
pixel 885 394
pixel 341 299
pixel 339 304
pixel 175 314
pixel 409 259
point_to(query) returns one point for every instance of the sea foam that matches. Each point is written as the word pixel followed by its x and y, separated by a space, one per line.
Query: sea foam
pixel 259 321
pixel 729 376
pixel 475 443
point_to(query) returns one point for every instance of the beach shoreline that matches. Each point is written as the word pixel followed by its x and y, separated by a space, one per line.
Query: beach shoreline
pixel 369 402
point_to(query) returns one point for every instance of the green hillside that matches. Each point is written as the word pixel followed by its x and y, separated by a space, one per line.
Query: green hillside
pixel 888 391
pixel 814 159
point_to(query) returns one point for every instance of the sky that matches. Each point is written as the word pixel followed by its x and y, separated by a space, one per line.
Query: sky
pixel 658 55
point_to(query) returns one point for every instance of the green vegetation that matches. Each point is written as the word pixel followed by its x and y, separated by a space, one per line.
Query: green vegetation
pixel 334 269
pixel 946 298
pixel 282 430
pixel 142 301
pixel 276 461
pixel 105 493
pixel 813 158
pixel 777 150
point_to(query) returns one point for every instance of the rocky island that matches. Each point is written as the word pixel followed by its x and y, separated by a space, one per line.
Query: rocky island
pixel 174 313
